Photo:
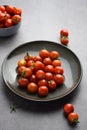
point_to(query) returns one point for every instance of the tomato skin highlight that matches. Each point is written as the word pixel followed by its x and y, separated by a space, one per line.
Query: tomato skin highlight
pixel 73 118
pixel 68 108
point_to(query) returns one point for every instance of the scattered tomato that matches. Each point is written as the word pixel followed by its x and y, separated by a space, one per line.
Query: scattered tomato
pixel 73 117
pixel 64 40
pixel 64 32
pixel 68 108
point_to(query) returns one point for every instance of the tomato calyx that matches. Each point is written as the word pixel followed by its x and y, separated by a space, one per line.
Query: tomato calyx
pixel 75 121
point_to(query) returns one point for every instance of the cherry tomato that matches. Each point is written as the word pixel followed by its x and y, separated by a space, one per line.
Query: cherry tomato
pixel 64 40
pixel 6 16
pixel 37 58
pixel 17 11
pixel 23 82
pixel 28 57
pixel 32 87
pixel 33 78
pixel 30 64
pixel 64 32
pixel 52 85
pixel 59 79
pixel 44 53
pixel 2 8
pixel 54 55
pixel 58 70
pixel 49 68
pixel 42 82
pixel 8 22
pixel 2 17
pixel 43 91
pixel 9 9
pixel 39 65
pixel 47 61
pixel 26 72
pixel 16 19
pixel 20 69
pixel 73 117
pixel 40 74
pixel 48 76
pixel 22 63
pixel 68 108
pixel 56 63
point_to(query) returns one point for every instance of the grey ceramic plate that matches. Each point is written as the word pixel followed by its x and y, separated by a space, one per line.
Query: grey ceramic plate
pixel 70 63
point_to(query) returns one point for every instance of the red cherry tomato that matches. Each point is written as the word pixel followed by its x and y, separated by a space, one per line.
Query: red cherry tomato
pixel 64 32
pixel 54 55
pixel 2 8
pixel 58 70
pixel 59 79
pixel 37 58
pixel 9 9
pixel 26 72
pixel 47 61
pixel 40 74
pixel 52 85
pixel 48 76
pixel 2 18
pixel 42 82
pixel 43 91
pixel 32 88
pixel 17 11
pixel 44 53
pixel 39 65
pixel 23 82
pixel 49 68
pixel 28 57
pixel 33 78
pixel 56 63
pixel 68 108
pixel 73 117
pixel 8 22
pixel 64 40
pixel 16 18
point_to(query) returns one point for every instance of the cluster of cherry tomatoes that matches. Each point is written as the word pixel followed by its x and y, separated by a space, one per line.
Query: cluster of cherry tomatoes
pixel 69 111
pixel 64 36
pixel 9 16
pixel 40 74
